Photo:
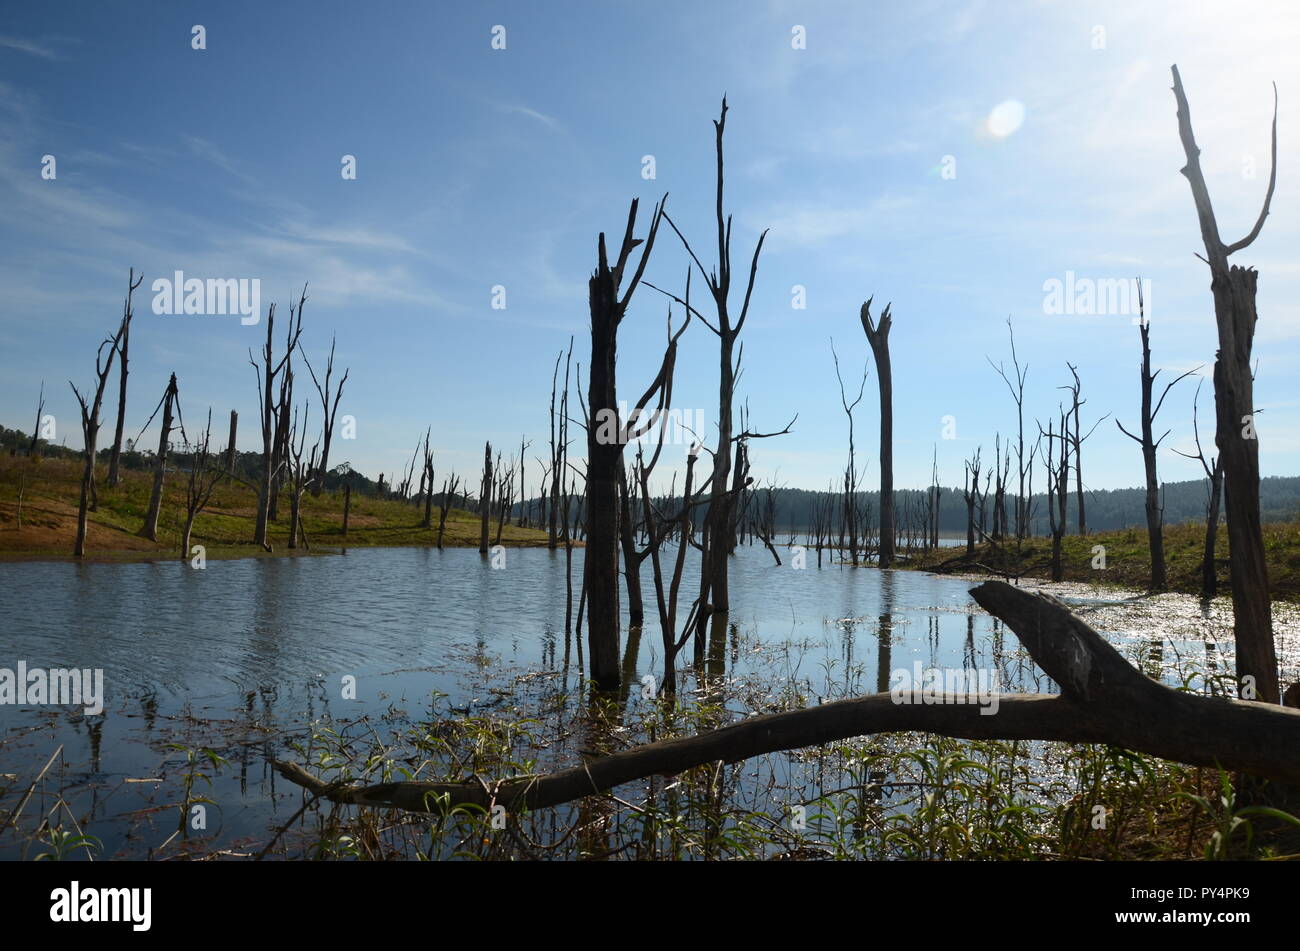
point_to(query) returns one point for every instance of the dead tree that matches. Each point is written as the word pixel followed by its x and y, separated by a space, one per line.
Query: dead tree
pixel 505 494
pixel 607 434
pixel 230 444
pixel 269 372
pixel 485 499
pixel 1238 444
pixel 934 494
pixel 522 520
pixel 1001 469
pixel 552 534
pixel 90 422
pixel 123 346
pixel 659 526
pixel 764 520
pixel 1213 492
pixel 1103 699
pixel 301 474
pixel 1149 444
pixel 449 486
pixel 426 481
pixel 720 521
pixel 36 429
pixel 170 399
pixel 1056 463
pixel 970 493
pixel 330 410
pixel 280 446
pixel 1023 469
pixel 1077 440
pixel 632 555
pixel 878 337
pixel 203 479
pixel 849 509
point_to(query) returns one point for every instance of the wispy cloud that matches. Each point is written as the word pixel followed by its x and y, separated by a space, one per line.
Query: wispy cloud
pixel 210 153
pixel 549 121
pixel 28 46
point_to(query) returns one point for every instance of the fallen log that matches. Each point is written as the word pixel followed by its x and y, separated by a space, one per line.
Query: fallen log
pixel 1103 699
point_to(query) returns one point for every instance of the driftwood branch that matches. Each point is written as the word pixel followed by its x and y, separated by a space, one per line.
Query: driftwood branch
pixel 1103 699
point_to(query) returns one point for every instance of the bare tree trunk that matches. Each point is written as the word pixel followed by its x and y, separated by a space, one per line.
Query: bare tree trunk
pixel 1234 311
pixel 36 429
pixel 90 421
pixel 878 337
pixel 230 444
pixel 485 500
pixel 150 528
pixel 720 521
pixel 552 534
pixel 607 433
pixel 115 458
pixel 267 373
pixel 969 492
pixel 203 479
pixel 331 413
pixel 1209 576
pixel 1149 444
pixel 1017 390
pixel 631 557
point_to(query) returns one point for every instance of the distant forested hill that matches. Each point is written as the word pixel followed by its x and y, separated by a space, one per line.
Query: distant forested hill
pixel 1106 508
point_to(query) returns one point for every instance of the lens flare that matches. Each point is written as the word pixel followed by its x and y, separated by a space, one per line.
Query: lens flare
pixel 1005 118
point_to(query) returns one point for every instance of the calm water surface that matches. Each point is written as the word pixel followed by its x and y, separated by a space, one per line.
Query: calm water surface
pixel 263 645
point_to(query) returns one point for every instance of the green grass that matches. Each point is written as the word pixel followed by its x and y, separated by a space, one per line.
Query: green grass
pixel 51 489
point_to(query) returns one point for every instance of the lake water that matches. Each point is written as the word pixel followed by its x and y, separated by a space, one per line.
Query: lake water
pixel 241 655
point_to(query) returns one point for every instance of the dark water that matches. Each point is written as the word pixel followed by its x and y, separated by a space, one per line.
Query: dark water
pixel 262 647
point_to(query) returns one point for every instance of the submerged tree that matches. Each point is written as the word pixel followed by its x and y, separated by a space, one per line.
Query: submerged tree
pixel 720 522
pixel 485 500
pixel 1233 288
pixel 878 337
pixel 1213 493
pixel 849 508
pixel 607 434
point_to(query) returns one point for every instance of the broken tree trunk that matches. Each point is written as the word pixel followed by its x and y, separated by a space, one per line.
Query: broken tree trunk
pixel 150 528
pixel 115 457
pixel 230 445
pixel 485 500
pixel 1103 699
pixel 1234 313
pixel 608 301
pixel 878 336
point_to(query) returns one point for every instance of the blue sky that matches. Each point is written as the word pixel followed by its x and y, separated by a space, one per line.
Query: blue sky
pixel 479 167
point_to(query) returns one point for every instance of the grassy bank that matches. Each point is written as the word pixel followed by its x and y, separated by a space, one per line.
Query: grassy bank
pixel 51 489
pixel 1128 558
